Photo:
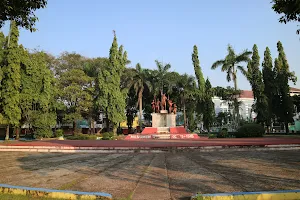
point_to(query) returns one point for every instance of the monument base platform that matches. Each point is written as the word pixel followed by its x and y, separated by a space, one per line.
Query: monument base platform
pixel 170 130
pixel 187 136
pixel 165 133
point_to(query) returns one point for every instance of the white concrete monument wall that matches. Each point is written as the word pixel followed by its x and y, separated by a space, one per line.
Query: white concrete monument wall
pixel 163 119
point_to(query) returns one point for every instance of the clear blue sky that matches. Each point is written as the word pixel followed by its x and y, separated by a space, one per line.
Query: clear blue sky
pixel 164 30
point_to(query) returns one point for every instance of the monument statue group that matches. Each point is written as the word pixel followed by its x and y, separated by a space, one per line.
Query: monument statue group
pixel 157 105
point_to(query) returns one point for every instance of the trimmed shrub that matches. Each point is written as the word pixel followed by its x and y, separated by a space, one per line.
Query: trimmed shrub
pixel 82 137
pixel 108 136
pixel 59 133
pixel 223 133
pixel 40 133
pixel 212 135
pixel 250 130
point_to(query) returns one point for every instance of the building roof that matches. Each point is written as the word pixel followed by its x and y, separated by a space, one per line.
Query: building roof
pixel 292 89
pixel 248 94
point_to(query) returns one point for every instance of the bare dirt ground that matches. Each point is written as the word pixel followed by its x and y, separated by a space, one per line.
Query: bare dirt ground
pixel 154 176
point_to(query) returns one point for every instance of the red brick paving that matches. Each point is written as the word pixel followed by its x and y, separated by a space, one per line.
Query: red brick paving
pixel 203 141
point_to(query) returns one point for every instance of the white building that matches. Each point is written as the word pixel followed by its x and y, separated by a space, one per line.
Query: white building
pixel 246 99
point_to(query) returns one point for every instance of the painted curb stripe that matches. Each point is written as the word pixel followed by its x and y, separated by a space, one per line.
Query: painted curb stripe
pixel 49 193
pixel 264 195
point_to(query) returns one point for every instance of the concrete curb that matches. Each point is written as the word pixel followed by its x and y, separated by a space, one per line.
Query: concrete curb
pixel 265 195
pixel 60 194
pixel 66 149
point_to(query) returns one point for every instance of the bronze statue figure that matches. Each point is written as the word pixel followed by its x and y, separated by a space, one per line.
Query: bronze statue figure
pixel 175 109
pixel 163 101
pixel 157 105
pixel 170 105
pixel 153 105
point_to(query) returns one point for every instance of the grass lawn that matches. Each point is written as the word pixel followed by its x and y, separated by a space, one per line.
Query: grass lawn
pixel 21 197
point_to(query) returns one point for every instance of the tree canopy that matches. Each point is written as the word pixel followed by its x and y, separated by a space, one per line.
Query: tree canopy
pixel 289 9
pixel 21 12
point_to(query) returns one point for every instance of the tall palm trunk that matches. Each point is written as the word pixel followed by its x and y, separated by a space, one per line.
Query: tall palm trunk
pixel 184 112
pixel 140 107
pixel 7 133
pixel 236 106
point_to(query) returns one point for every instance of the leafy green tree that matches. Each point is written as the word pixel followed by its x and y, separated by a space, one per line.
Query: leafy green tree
pixel 11 81
pixel 198 71
pixel 284 100
pixel 255 78
pixel 269 86
pixel 223 118
pixel 209 107
pixel 76 94
pixel 110 98
pixel 21 11
pixel 290 10
pixel 2 45
pixel 296 102
pixel 37 94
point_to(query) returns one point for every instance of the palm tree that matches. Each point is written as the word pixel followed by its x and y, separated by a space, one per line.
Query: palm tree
pixel 186 86
pixel 162 71
pixel 139 81
pixel 231 63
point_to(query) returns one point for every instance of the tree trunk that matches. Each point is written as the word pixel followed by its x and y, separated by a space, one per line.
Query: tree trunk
pixel 234 79
pixel 74 127
pixel 107 122
pixel 286 124
pixel 7 133
pixel 184 114
pixel 140 107
pixel 115 130
pixel 17 134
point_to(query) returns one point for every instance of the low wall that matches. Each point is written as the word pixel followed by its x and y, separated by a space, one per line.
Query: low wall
pixel 266 195
pixel 47 193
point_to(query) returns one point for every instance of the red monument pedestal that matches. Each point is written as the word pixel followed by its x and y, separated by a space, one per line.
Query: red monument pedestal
pixel 166 133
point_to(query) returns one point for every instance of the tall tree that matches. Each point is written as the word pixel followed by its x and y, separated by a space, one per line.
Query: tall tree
pixel 162 71
pixel 21 11
pixel 290 10
pixel 139 82
pixel 110 98
pixel 198 71
pixel 230 65
pixel 255 78
pixel 186 87
pixel 76 94
pixel 209 108
pixel 2 45
pixel 283 75
pixel 11 81
pixel 37 94
pixel 269 85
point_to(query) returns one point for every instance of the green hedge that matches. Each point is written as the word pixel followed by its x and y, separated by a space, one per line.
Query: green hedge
pixel 82 137
pixel 59 133
pixel 250 130
pixel 108 136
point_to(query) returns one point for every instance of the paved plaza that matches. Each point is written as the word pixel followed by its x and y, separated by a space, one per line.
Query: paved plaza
pixel 154 176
